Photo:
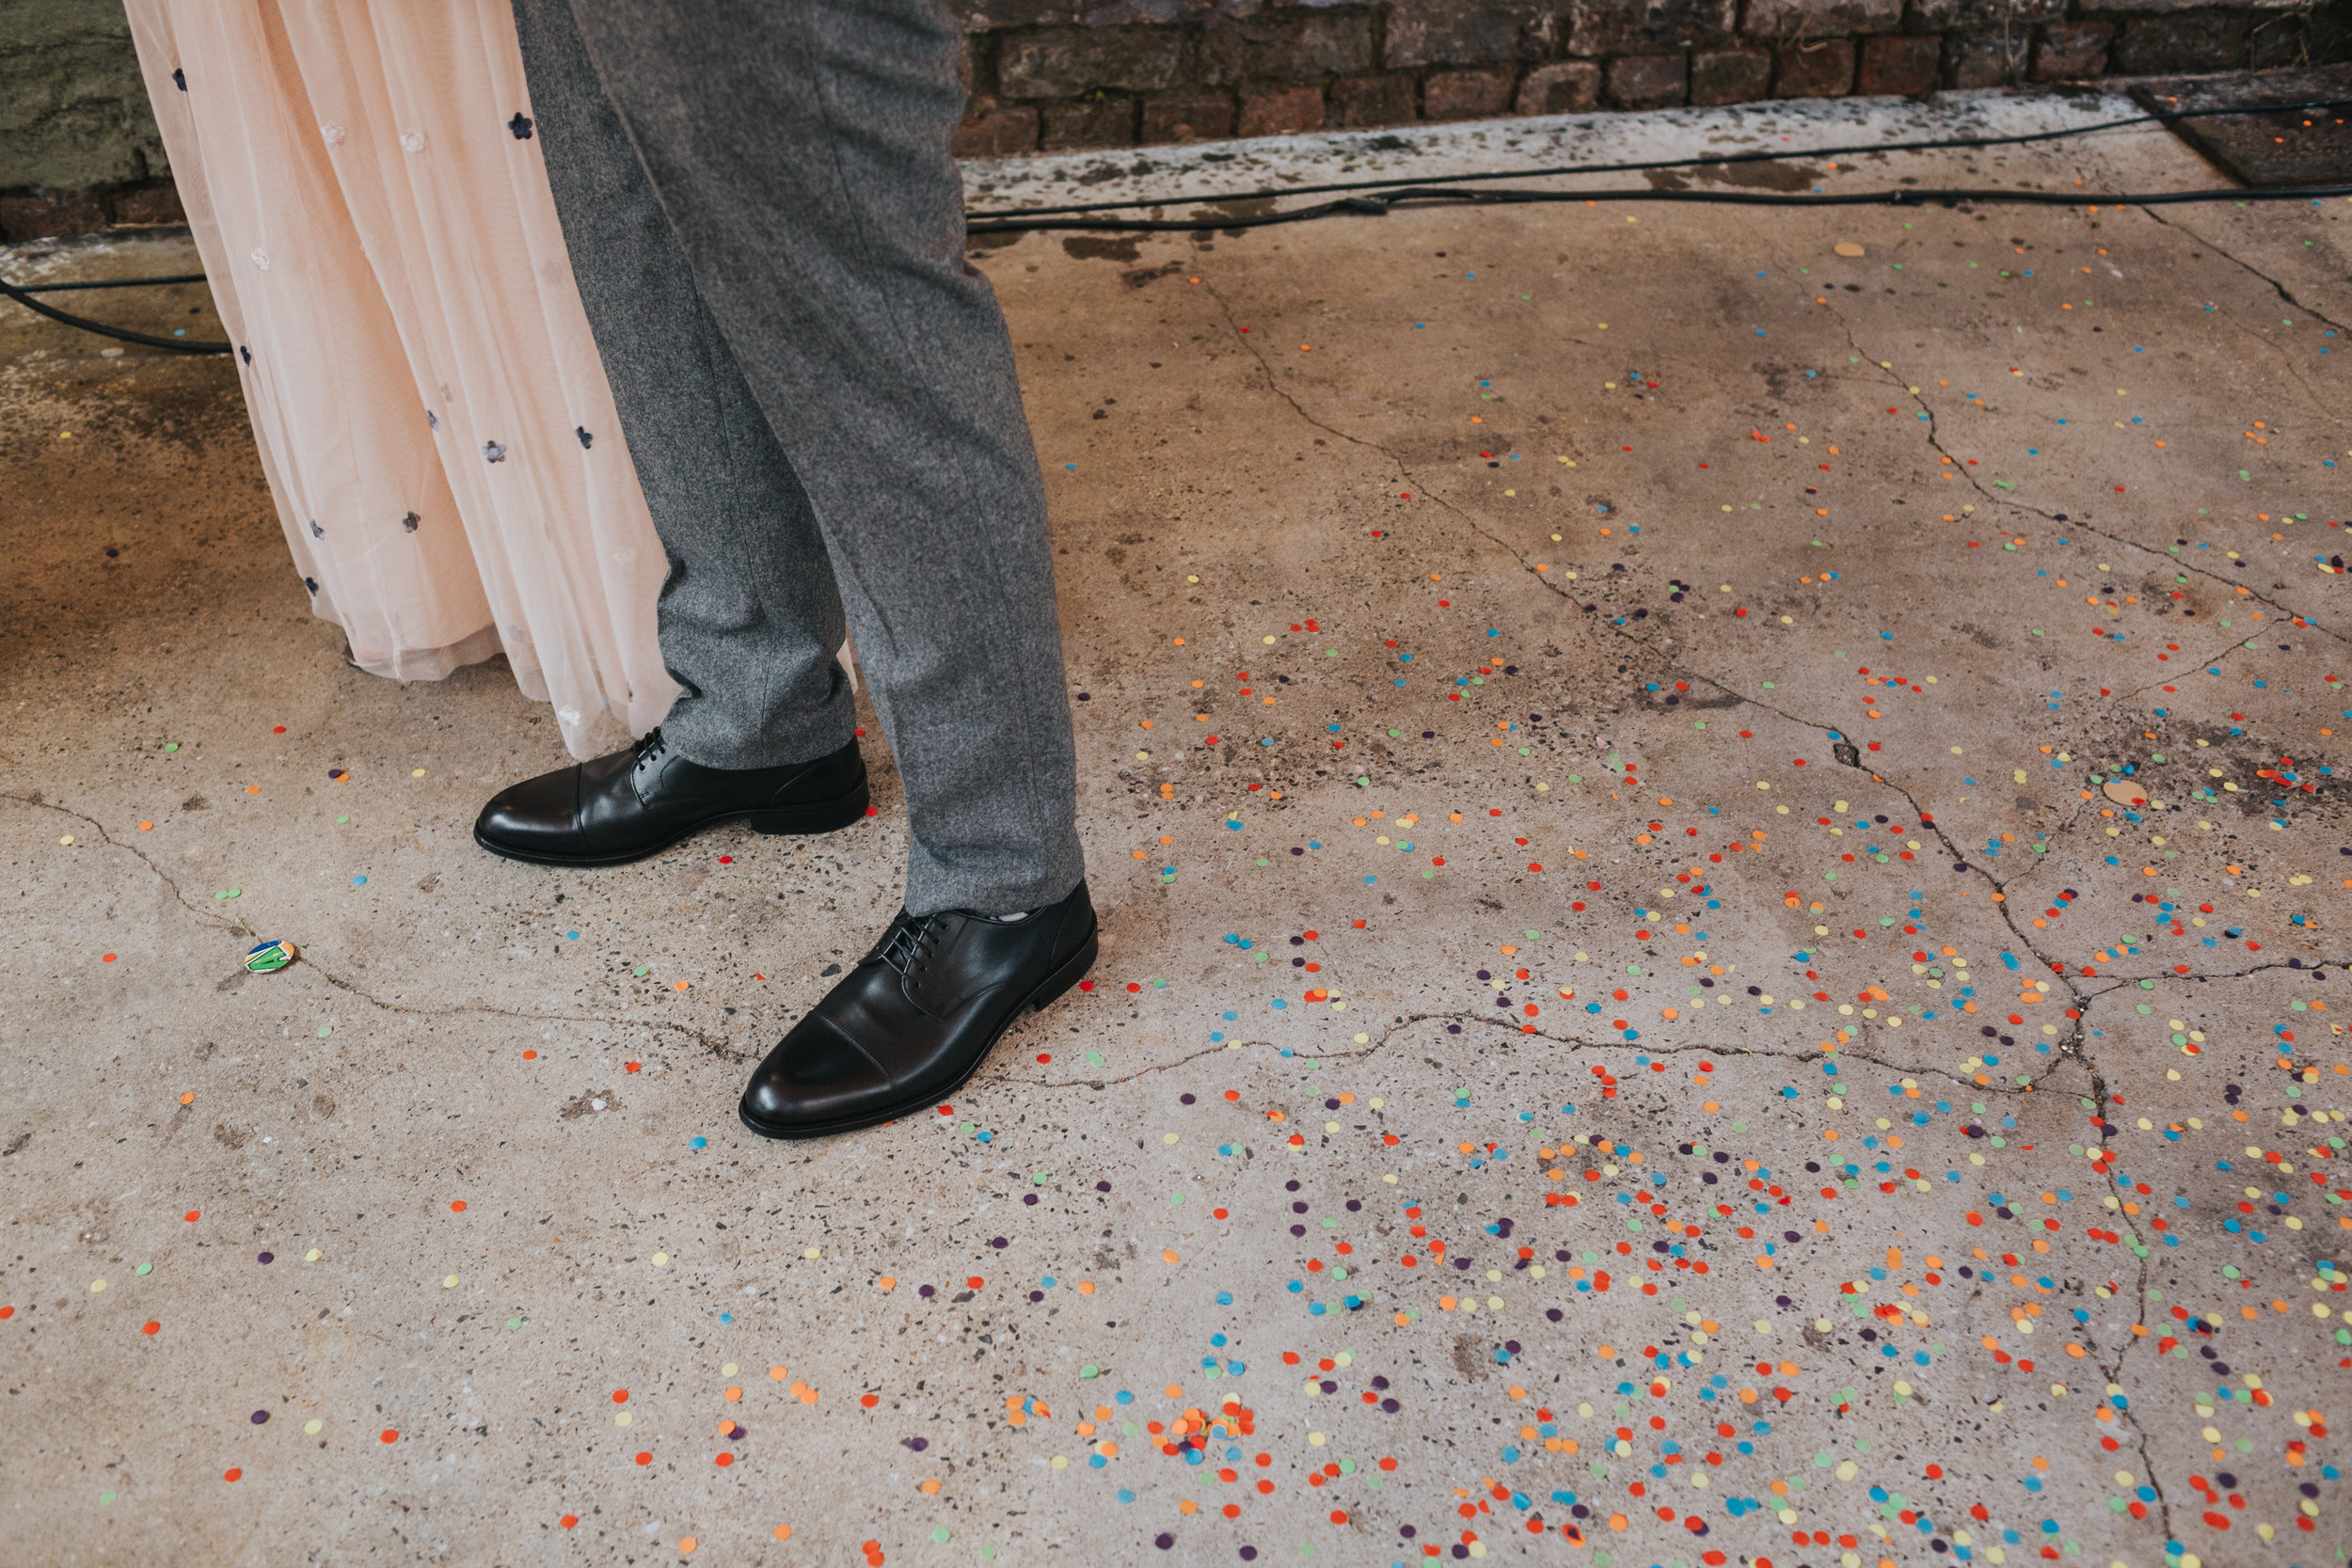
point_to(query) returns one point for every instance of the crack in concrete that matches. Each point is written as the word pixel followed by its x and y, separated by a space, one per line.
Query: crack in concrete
pixel 2070 1044
pixel 2283 291
pixel 1960 466
pixel 1800 1054
pixel 716 1047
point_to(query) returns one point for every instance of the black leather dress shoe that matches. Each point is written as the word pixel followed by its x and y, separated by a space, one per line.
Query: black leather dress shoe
pixel 637 802
pixel 914 1020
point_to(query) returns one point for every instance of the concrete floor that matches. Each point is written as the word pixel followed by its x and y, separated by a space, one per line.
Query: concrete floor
pixel 1536 1101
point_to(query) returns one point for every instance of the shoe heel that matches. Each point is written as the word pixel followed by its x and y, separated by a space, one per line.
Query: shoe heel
pixel 821 816
pixel 1069 974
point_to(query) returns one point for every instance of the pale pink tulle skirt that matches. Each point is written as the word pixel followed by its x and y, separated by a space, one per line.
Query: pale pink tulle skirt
pixel 421 375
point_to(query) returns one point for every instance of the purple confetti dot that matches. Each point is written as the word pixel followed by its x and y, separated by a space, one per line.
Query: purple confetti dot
pixel 260 1416
pixel 266 1258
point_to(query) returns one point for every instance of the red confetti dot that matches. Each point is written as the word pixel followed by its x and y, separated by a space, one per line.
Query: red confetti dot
pixel 458 1206
pixel 631 1067
pixel 278 729
pixel 193 1216
pixel 1133 986
pixel 620 1396
pixel 869 1400
pixel 975 1282
pixel 531 1055
pixel 644 1459
pixel 106 957
pixel 723 1461
pixel 569 1521
pixel 232 1474
pixel 726 860
pixel 151 1327
pixel 1086 985
pixel 390 1434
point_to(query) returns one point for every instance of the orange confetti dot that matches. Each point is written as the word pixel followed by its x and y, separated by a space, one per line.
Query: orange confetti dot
pixel 232 1474
pixel 151 1327
pixel 644 1459
pixel 105 958
pixel 723 1461
pixel 193 1214
pixel 620 1396
pixel 147 826
pixel 1168 1256
pixel 569 1521
pixel 188 1099
pixel 390 1434
pixel 458 1206
pixel 784 1532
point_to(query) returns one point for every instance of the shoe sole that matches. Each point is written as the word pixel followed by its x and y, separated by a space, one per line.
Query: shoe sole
pixel 822 817
pixel 1048 991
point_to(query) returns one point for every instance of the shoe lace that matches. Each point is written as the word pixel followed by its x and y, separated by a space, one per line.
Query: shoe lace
pixel 907 943
pixel 650 744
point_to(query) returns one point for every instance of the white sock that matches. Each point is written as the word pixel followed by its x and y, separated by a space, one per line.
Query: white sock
pixel 1020 914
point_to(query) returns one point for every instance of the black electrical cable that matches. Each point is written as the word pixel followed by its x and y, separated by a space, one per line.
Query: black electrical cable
pixel 1379 203
pixel 110 283
pixel 120 334
pixel 1381 196
pixel 1944 145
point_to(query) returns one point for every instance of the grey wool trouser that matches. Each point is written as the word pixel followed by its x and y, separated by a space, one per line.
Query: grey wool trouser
pixel 821 399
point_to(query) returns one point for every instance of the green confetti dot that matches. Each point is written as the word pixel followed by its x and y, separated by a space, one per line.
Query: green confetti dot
pixel 230 893
pixel 340 820
pixel 326 1029
pixel 145 1268
pixel 513 1323
pixel 170 745
pixel 106 1498
pixel 940 1533
pixel 1090 1371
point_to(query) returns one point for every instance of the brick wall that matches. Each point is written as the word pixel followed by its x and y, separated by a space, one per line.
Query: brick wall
pixel 1067 75
pixel 78 145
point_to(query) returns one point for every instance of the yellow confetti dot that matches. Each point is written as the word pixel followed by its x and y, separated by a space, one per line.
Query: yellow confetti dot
pixel 312 1255
pixel 311 1429
pixel 416 772
pixel 812 1252
pixel 660 1259
pixel 449 1282
pixel 96 1284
